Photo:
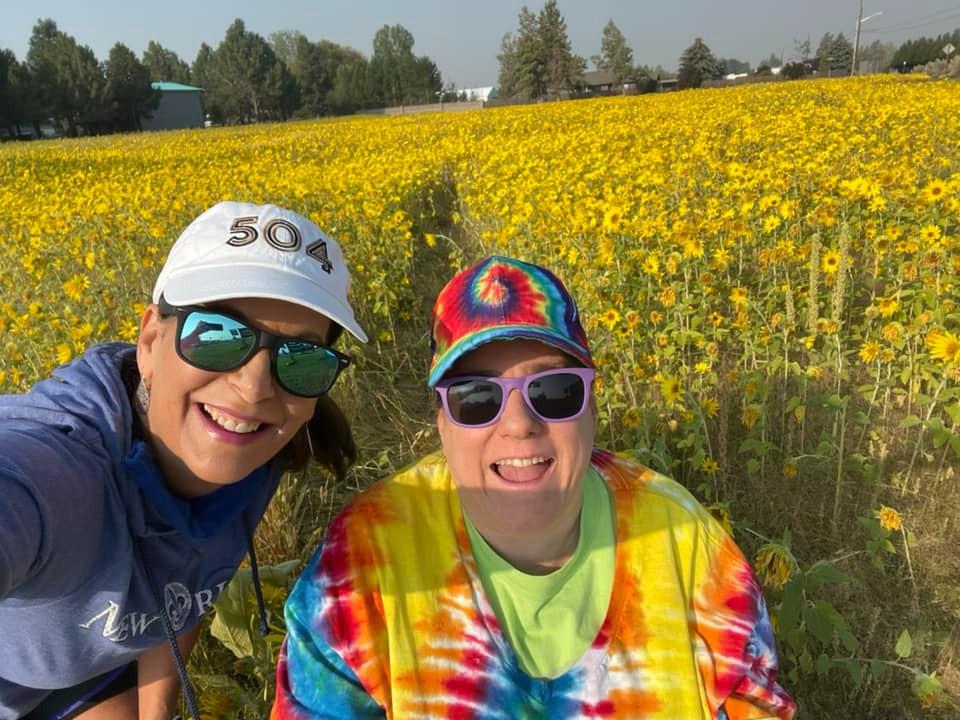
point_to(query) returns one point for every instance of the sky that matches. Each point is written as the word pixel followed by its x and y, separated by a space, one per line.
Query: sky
pixel 463 36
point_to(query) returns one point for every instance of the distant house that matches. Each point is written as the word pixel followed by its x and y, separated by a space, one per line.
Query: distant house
pixel 603 82
pixel 472 94
pixel 179 108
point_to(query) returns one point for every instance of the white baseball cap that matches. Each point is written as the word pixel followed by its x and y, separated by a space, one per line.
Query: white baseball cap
pixel 239 250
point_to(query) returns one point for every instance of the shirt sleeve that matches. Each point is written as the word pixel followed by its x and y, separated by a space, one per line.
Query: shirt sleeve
pixel 314 682
pixel 736 652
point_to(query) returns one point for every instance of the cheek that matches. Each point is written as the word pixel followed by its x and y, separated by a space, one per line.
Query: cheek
pixel 300 410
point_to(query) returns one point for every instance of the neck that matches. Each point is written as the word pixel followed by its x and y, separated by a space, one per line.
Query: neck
pixel 541 551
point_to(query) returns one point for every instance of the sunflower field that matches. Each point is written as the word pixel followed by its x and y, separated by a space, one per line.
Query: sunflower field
pixel 769 277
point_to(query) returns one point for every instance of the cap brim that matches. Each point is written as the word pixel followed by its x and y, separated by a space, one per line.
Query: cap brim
pixel 209 284
pixel 507 332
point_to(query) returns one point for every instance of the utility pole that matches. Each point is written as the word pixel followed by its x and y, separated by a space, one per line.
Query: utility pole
pixel 856 41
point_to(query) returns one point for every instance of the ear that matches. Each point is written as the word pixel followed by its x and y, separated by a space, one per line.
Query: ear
pixel 151 331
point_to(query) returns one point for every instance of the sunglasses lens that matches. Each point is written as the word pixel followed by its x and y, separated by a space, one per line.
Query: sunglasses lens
pixel 306 368
pixel 474 402
pixel 557 396
pixel 215 342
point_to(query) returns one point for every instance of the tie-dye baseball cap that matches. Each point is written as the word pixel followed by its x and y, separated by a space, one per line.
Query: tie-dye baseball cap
pixel 502 298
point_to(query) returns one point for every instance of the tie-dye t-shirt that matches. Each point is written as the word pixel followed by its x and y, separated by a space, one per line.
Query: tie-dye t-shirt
pixel 390 619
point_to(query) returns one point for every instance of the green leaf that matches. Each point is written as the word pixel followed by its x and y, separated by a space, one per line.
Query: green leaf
pixel 904 647
pixel 791 604
pixel 753 466
pixel 836 402
pixel 953 410
pixel 823 664
pixel 795 402
pixel 818 624
pixel 855 669
pixel 877 668
pixel 235 616
pixel 955 443
pixel 909 422
pixel 823 571
pixel 847 638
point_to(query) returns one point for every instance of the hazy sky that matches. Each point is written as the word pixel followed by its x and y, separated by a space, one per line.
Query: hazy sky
pixel 463 37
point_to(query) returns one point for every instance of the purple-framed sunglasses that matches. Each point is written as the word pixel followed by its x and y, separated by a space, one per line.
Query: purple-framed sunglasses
pixel 556 395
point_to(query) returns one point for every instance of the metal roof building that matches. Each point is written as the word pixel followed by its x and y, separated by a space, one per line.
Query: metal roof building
pixel 179 107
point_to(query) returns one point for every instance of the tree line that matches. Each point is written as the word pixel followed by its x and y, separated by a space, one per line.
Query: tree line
pixel 537 63
pixel 246 78
pixel 249 78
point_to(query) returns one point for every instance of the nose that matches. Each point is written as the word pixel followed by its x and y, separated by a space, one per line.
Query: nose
pixel 253 380
pixel 517 419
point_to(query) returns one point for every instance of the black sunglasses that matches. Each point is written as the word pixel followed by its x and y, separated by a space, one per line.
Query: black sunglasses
pixel 217 341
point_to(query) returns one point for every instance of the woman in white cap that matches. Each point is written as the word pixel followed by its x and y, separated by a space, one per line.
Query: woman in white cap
pixel 133 479
pixel 522 572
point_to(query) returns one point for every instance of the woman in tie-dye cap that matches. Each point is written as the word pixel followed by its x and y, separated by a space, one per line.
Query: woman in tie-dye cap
pixel 521 572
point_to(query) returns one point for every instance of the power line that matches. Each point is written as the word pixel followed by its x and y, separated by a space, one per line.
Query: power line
pixel 914 23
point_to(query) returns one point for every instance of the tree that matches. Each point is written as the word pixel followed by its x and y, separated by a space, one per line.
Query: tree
pixel 732 65
pixel 9 102
pixel 315 67
pixel 801 49
pixel 696 65
pixel 239 78
pixel 772 61
pixel 288 46
pixel 530 73
pixel 562 69
pixel 128 88
pixel 164 65
pixel 877 56
pixel 68 78
pixel 615 55
pixel 841 55
pixel 824 52
pixel 538 60
pixel 202 75
pixel 350 89
pixel 395 75
pixel 922 50
pixel 507 57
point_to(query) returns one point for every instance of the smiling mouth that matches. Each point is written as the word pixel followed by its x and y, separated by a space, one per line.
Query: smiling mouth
pixel 241 427
pixel 522 470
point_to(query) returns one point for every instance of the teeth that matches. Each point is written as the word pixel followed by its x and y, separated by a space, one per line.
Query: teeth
pixel 521 462
pixel 228 423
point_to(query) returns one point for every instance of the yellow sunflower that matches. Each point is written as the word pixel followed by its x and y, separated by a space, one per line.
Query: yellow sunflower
pixel 830 262
pixel 943 346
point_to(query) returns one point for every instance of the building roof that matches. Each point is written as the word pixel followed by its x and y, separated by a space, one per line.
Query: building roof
pixel 174 87
pixel 599 77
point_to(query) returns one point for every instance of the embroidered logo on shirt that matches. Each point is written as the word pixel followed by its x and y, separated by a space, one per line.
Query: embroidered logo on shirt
pixel 178 602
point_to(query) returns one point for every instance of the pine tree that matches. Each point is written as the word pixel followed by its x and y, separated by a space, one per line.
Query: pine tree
pixel 538 60
pixel 530 77
pixel 696 65
pixel 841 54
pixel 562 69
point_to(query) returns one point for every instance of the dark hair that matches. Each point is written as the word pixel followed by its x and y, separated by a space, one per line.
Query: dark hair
pixel 326 438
